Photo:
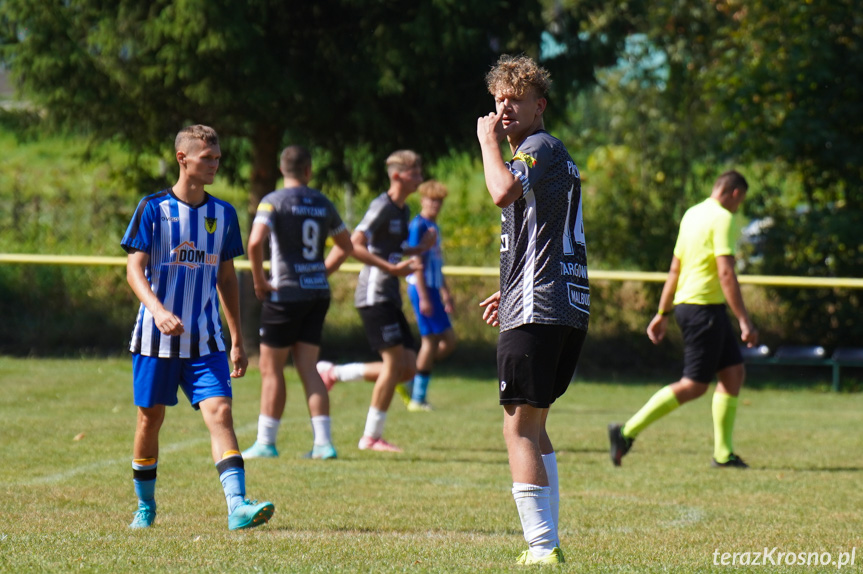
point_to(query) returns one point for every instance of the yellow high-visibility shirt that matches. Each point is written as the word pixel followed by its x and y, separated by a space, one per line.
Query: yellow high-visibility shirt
pixel 707 231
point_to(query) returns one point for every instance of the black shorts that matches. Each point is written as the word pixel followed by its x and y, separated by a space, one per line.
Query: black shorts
pixel 386 326
pixel 535 363
pixel 288 322
pixel 709 341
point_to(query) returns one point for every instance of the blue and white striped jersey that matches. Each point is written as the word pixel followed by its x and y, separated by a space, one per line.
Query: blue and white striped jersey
pixel 186 245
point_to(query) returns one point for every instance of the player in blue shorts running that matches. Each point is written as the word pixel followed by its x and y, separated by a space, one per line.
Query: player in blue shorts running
pixel 181 243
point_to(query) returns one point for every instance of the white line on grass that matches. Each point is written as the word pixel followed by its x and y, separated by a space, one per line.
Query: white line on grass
pixel 69 473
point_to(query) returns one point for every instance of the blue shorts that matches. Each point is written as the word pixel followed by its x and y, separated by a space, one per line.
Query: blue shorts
pixel 439 321
pixel 155 380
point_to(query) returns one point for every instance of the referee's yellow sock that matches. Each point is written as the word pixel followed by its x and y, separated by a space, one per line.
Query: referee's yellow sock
pixel 659 405
pixel 724 414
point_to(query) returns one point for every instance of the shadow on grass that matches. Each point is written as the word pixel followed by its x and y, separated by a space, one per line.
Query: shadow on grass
pixel 812 469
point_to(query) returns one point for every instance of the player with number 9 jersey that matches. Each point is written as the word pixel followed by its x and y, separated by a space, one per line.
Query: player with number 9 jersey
pixel 304 218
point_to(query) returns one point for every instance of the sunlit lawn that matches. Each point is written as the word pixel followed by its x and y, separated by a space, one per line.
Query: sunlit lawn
pixel 443 505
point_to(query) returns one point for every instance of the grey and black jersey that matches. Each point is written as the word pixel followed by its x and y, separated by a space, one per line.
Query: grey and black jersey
pixel 385 226
pixel 300 219
pixel 543 258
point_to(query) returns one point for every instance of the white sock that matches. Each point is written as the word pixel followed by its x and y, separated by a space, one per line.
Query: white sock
pixel 375 423
pixel 550 462
pixel 321 430
pixel 535 514
pixel 268 428
pixel 350 372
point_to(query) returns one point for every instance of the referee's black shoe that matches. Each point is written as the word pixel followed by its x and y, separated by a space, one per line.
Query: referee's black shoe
pixel 619 445
pixel 733 461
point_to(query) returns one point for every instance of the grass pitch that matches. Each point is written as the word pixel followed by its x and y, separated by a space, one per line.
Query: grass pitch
pixel 443 505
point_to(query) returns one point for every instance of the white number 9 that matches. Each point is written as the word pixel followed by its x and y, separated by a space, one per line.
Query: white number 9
pixel 311 234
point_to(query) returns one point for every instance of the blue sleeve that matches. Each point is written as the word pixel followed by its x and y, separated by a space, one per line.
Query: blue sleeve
pixel 416 230
pixel 233 246
pixel 139 234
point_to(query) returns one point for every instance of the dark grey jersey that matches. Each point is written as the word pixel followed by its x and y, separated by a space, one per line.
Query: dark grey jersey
pixel 543 258
pixel 300 219
pixel 385 225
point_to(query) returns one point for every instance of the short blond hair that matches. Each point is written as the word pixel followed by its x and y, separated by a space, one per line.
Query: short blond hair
pixel 403 160
pixel 197 132
pixel 517 75
pixel 433 189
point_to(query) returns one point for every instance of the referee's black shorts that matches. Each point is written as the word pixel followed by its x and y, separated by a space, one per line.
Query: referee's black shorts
pixel 709 341
pixel 535 363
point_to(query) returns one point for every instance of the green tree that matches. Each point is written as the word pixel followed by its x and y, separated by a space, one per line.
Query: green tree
pixel 354 79
pixel 790 78
pixel 647 135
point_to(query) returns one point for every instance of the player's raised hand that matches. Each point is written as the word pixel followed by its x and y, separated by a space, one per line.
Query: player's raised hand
pixel 489 128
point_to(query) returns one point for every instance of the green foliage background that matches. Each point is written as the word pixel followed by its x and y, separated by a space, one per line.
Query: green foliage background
pixel 60 196
pixel 652 101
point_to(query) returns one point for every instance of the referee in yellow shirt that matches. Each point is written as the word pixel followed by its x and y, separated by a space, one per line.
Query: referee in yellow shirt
pixel 701 280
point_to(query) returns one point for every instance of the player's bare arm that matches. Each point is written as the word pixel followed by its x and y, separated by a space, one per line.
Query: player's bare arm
pixel 731 290
pixel 342 248
pixel 259 234
pixel 426 307
pixel 229 293
pixel 659 324
pixel 447 298
pixel 136 265
pixel 502 185
pixel 362 254
pixel 428 241
pixel 490 305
